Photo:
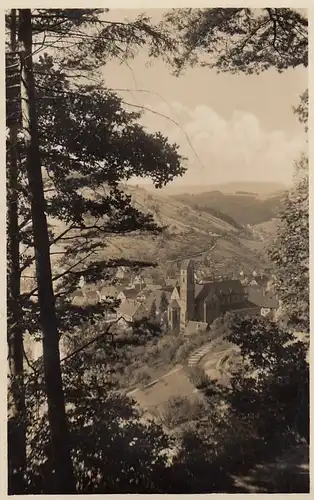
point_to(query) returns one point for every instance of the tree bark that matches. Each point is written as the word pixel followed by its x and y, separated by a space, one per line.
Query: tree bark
pixel 64 480
pixel 16 394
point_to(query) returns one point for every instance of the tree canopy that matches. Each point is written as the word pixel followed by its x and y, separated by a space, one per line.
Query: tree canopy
pixel 240 39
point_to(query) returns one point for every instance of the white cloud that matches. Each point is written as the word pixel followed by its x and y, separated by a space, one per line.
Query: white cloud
pixel 230 150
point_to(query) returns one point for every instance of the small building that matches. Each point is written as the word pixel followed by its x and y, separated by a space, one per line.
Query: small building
pixel 85 297
pixel 133 293
pixel 121 273
pixel 266 300
pixel 109 291
pixel 138 280
pixel 131 311
pixel 259 282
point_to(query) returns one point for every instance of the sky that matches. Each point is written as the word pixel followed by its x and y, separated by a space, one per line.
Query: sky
pixel 232 128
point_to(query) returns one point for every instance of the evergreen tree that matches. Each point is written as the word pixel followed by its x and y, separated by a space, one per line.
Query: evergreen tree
pixel 239 39
pixel 153 311
pixel 163 303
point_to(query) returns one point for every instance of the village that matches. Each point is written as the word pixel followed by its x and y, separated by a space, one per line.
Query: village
pixel 186 303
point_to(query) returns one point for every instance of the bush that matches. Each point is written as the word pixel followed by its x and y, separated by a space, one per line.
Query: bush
pixel 199 378
pixel 142 377
pixel 180 410
pixel 183 353
pixel 190 344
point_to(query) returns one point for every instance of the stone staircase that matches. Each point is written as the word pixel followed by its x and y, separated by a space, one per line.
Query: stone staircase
pixel 197 355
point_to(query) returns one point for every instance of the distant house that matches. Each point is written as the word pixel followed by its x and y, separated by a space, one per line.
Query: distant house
pixel 266 300
pixel 85 297
pixel 134 293
pixel 259 282
pixel 131 310
pixel 121 273
pixel 109 291
pixel 138 280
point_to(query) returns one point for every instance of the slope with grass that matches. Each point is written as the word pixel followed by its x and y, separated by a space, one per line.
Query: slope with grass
pixel 189 233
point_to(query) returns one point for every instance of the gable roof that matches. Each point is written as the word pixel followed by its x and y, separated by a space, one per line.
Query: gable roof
pixel 132 293
pixel 174 304
pixel 109 291
pixel 267 300
pixel 128 308
pixel 225 287
pixel 260 280
pixel 245 304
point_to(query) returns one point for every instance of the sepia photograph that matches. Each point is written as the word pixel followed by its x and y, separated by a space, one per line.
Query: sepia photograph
pixel 157 246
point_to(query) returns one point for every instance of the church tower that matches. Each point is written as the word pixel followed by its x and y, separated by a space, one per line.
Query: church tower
pixel 187 293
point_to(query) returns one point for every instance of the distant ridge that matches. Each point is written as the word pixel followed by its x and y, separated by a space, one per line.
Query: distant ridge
pixel 260 188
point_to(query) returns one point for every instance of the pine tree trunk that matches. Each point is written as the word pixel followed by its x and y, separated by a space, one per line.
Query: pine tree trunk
pixel 64 481
pixel 16 394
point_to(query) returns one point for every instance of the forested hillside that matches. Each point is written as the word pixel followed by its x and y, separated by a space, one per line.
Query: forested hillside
pixel 243 208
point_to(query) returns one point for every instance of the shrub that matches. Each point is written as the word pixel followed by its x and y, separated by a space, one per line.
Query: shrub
pixel 183 352
pixel 179 410
pixel 198 377
pixel 142 377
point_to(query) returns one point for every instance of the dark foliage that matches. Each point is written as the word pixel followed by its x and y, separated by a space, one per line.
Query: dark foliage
pixel 240 39
pixel 235 209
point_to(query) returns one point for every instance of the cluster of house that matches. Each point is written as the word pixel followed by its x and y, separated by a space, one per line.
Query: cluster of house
pixel 137 297
pixel 185 304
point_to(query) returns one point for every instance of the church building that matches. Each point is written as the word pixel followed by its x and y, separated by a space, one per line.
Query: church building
pixel 207 301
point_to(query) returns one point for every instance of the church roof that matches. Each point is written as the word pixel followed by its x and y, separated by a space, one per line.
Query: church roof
pixel 246 304
pixel 174 304
pixel 224 287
